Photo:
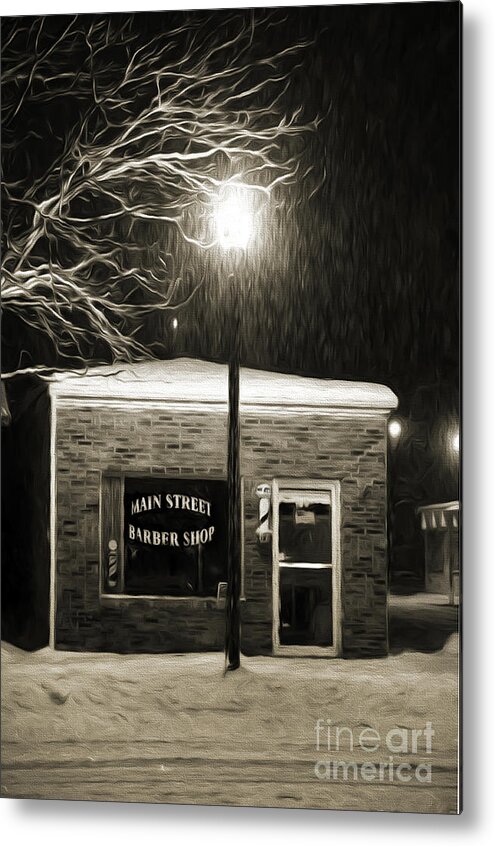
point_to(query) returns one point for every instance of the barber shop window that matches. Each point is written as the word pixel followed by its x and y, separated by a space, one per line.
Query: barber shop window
pixel 163 537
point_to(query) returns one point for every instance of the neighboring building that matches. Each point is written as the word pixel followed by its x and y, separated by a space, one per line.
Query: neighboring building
pixel 136 559
pixel 440 525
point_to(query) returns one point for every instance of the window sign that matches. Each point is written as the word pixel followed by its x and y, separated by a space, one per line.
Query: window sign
pixel 305 531
pixel 174 538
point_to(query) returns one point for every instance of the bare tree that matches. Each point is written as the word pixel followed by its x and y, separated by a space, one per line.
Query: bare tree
pixel 145 129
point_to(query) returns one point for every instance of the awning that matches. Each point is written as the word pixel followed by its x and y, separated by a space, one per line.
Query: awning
pixel 440 516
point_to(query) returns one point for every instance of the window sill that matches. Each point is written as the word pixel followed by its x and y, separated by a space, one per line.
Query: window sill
pixel 208 602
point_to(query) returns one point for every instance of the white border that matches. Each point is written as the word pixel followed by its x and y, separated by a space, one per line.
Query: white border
pixel 79 822
pixel 53 519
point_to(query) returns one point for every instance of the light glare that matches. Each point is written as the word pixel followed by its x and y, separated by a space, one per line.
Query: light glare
pixel 456 442
pixel 234 221
pixel 394 429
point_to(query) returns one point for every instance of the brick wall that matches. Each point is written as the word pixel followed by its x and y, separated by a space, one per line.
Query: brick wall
pixel 351 451
pixel 90 441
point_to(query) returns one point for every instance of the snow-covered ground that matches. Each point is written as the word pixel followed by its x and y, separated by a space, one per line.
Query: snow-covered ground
pixel 174 728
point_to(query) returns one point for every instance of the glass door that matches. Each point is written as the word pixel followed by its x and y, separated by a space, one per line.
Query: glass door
pixel 306 578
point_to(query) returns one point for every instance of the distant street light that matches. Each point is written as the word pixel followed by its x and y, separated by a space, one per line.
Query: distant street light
pixel 394 429
pixel 234 221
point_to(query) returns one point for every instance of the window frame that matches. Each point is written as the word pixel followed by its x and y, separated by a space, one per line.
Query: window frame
pixel 120 595
pixel 317 487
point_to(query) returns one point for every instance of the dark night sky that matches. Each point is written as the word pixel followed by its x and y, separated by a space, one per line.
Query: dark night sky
pixel 360 280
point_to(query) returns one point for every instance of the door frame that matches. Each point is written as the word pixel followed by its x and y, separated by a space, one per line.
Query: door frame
pixel 333 488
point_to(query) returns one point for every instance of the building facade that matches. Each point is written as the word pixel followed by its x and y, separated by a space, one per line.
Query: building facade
pixel 138 532
pixel 440 524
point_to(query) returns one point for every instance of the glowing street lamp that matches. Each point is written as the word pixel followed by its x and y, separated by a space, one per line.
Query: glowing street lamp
pixel 234 220
pixel 394 429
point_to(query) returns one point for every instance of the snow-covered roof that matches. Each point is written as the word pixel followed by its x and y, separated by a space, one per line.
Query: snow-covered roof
pixel 197 381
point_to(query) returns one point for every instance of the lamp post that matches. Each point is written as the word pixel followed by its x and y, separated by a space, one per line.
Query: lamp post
pixel 234 227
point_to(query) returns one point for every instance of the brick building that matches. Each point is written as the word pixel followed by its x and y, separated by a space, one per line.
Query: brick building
pixel 440 524
pixel 129 470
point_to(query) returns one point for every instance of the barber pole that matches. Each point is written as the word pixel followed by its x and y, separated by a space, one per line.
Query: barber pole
pixel 263 530
pixel 112 563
